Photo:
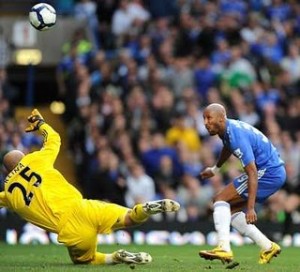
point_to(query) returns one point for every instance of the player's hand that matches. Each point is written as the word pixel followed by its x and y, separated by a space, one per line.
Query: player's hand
pixel 207 173
pixel 35 121
pixel 251 216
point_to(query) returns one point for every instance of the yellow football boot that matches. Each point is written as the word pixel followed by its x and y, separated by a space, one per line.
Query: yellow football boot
pixel 267 255
pixel 217 254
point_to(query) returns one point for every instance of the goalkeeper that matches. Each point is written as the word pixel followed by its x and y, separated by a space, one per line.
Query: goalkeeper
pixel 40 194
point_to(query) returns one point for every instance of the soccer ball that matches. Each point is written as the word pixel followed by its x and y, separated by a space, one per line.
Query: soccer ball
pixel 42 16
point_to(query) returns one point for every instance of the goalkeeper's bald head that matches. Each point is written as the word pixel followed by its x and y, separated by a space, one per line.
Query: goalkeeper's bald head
pixel 11 159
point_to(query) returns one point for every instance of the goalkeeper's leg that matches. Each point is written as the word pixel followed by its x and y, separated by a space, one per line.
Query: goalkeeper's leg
pixel 140 213
pixel 82 254
pixel 79 234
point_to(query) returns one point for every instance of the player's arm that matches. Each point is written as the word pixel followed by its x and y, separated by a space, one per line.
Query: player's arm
pixel 52 142
pixel 3 200
pixel 247 159
pixel 211 171
pixel 224 156
pixel 252 174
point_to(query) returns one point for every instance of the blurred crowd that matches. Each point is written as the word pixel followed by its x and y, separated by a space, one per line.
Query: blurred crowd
pixel 136 85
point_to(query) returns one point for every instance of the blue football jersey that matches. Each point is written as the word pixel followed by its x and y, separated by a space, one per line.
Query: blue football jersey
pixel 250 145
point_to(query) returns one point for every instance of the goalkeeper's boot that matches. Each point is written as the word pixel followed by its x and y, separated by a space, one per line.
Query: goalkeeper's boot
pixel 123 256
pixel 161 206
pixel 217 254
pixel 267 255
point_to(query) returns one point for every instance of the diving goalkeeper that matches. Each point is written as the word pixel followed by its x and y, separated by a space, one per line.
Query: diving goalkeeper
pixel 39 193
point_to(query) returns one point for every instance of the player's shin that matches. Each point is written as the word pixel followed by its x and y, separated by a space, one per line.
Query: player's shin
pixel 138 215
pixel 101 258
pixel 238 221
pixel 221 217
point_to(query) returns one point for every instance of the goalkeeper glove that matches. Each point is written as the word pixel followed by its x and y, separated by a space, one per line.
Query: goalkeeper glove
pixel 35 120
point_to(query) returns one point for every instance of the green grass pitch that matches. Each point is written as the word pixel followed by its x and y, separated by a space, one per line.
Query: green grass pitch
pixel 44 258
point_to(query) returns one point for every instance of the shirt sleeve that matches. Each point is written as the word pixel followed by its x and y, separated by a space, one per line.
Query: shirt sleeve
pixel 3 201
pixel 51 144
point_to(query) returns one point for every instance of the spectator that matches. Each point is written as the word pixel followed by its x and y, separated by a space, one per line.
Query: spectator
pixel 15 142
pixel 253 30
pixel 137 106
pixel 151 156
pixel 166 174
pixel 140 186
pixel 237 8
pixel 137 11
pixel 105 181
pixel 67 77
pixel 86 10
pixel 80 41
pixel 269 48
pixel 195 198
pixel 221 56
pixel 191 162
pixel 291 63
pixel 240 73
pixel 160 32
pixel 121 21
pixel 278 10
pixel 194 118
pixel 163 103
pixel 182 75
pixel 205 77
pixel 266 96
pixel 188 35
pixel 180 132
pixel 160 9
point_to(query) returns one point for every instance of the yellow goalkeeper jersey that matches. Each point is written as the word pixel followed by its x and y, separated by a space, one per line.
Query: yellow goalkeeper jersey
pixel 36 190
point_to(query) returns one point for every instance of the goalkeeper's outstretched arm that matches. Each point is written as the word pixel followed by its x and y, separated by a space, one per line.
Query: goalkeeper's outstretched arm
pixel 52 140
pixel 3 201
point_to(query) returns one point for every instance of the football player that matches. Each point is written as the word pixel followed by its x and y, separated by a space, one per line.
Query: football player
pixel 264 175
pixel 40 194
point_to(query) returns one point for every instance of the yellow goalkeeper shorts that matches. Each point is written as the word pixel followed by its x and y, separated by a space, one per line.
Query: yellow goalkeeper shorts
pixel 81 226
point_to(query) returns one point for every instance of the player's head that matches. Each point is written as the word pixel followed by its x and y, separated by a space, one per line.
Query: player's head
pixel 11 159
pixel 215 119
